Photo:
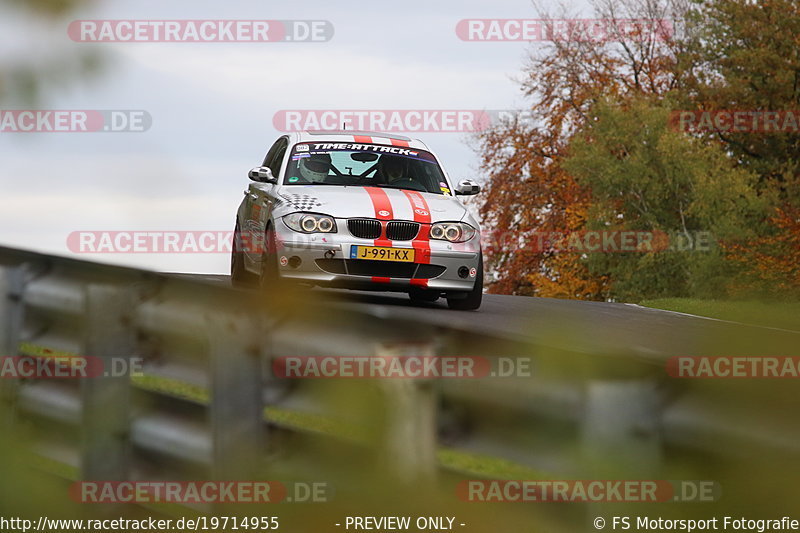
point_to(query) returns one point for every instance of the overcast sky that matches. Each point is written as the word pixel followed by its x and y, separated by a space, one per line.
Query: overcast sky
pixel 212 106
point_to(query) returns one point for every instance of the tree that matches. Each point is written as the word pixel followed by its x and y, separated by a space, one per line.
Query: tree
pixel 529 191
pixel 644 176
pixel 770 266
pixel 746 56
pixel 598 154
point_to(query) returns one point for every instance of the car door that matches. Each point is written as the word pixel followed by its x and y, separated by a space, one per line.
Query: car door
pixel 260 199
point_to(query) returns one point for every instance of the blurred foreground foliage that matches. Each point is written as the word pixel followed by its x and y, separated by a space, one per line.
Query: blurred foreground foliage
pixel 54 60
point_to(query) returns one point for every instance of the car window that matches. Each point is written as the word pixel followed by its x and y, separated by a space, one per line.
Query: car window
pixel 359 164
pixel 271 153
pixel 277 158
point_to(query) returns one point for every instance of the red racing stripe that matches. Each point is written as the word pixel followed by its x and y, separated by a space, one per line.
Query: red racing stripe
pixel 383 212
pixel 362 139
pixel 419 282
pixel 422 214
pixel 398 142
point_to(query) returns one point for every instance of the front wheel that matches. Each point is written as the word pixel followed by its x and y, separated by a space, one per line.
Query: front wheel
pixel 269 261
pixel 474 297
pixel 240 277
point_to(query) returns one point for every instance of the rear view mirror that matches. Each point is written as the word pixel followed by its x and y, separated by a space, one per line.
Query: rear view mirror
pixel 467 188
pixel 363 157
pixel 262 174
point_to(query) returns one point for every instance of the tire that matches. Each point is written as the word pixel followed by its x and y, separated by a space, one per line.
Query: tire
pixel 240 277
pixel 474 297
pixel 270 278
pixel 421 295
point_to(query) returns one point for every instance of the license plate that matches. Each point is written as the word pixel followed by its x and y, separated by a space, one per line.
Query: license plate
pixel 380 253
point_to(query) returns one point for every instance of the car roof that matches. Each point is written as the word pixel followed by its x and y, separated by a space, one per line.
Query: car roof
pixel 374 137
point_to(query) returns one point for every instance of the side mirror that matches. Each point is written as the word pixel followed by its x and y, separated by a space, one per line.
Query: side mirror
pixel 262 174
pixel 467 188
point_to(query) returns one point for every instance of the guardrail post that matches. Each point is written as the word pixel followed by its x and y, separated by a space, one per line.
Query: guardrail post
pixel 621 428
pixel 12 280
pixel 109 335
pixel 236 410
pixel 410 432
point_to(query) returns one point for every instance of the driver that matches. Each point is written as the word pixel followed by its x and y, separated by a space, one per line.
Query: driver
pixel 392 168
pixel 315 167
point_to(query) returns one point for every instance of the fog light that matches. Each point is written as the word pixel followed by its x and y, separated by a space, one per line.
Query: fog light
pixel 463 272
pixel 295 261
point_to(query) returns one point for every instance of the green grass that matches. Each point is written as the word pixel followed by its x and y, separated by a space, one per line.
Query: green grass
pixel 171 387
pixel 485 466
pixel 772 314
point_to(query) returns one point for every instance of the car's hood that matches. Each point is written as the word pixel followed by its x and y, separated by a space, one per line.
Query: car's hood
pixel 368 202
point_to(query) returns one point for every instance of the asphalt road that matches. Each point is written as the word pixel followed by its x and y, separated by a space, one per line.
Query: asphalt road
pixel 587 327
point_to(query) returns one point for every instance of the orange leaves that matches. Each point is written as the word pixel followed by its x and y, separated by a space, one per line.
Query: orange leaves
pixel 771 264
pixel 529 191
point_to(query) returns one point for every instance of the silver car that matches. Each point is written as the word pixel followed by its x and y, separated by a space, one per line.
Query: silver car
pixel 359 210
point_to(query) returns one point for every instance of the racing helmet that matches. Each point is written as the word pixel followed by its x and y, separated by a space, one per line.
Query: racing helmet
pixel 392 167
pixel 315 167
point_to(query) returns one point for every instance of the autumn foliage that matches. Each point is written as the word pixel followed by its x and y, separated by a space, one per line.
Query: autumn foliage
pixel 598 152
pixel 772 261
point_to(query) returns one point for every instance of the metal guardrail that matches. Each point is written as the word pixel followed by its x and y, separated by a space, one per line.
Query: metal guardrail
pixel 574 413
pixel 218 339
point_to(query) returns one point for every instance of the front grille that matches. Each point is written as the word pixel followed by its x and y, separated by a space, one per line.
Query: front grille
pixel 402 231
pixel 364 228
pixel 384 269
pixel 369 228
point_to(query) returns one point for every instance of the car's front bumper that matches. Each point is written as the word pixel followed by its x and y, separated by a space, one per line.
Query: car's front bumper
pixel 324 259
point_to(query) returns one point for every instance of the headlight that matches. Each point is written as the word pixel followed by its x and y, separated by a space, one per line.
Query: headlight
pixel 452 231
pixel 310 223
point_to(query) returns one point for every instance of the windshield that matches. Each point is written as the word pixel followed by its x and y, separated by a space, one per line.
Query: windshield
pixel 371 165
